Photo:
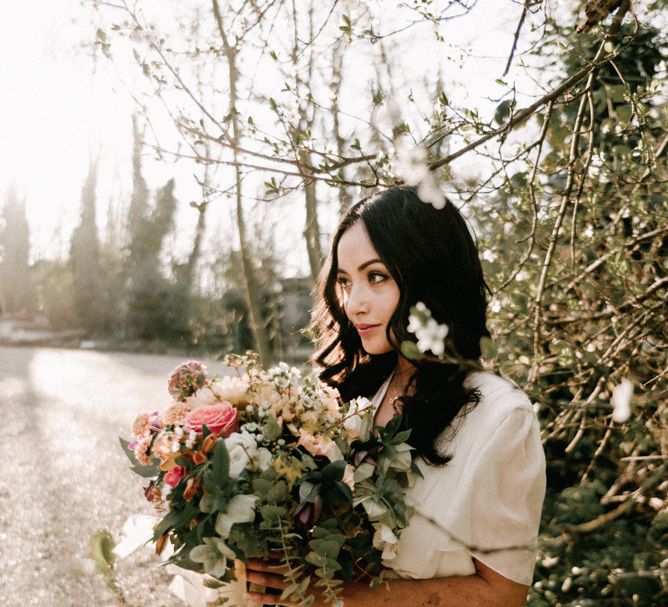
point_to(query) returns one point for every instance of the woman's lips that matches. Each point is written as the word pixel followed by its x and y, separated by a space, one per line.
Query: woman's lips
pixel 364 330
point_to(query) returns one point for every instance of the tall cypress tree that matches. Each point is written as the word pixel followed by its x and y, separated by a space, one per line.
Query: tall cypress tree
pixel 15 291
pixel 150 293
pixel 85 259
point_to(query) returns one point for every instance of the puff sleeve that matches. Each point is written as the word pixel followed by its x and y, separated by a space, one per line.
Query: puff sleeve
pixel 507 487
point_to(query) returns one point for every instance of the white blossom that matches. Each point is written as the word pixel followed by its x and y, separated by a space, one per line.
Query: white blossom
pixel 621 401
pixel 240 509
pixel 489 255
pixel 213 554
pixel 242 447
pixel 384 539
pixel 192 437
pixel 413 168
pixel 430 334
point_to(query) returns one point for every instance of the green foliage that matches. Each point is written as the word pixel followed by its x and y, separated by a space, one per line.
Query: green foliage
pixel 86 263
pixel 578 275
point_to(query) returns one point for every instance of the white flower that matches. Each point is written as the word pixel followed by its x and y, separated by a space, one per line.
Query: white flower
pixel 621 401
pixel 242 448
pixel 240 509
pixel 431 336
pixel 385 540
pixel 359 420
pixel 264 458
pixel 213 554
pixel 192 437
pixel 411 164
pixel 429 333
pixel 489 255
pixel 413 168
pixel 375 510
pixel 430 192
pixel 227 389
pixel 349 477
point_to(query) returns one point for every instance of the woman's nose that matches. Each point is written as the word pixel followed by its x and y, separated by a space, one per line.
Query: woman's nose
pixel 357 302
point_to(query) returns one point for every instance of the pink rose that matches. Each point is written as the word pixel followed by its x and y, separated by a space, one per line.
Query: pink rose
pixel 221 419
pixel 174 475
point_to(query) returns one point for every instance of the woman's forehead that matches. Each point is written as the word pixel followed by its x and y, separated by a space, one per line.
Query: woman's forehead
pixel 355 247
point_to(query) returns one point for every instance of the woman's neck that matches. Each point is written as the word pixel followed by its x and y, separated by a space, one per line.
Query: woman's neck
pixel 403 370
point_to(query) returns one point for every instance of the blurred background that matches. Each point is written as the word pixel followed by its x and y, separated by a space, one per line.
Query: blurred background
pixel 170 176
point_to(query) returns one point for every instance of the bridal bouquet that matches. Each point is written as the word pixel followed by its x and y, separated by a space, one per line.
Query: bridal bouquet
pixel 262 461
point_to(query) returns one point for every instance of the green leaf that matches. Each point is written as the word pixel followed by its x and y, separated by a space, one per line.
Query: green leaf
pixel 144 471
pixel 262 487
pixel 271 429
pixel 334 471
pixel 101 551
pixel 278 492
pixel 487 348
pixel 315 559
pixel 503 111
pixel 410 350
pixel 220 462
pixel 270 512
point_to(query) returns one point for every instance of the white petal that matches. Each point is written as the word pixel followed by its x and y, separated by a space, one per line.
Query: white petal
pixel 621 401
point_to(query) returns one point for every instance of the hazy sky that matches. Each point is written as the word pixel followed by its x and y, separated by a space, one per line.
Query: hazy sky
pixel 58 109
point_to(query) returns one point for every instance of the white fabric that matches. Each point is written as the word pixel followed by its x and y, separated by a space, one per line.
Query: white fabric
pixel 486 502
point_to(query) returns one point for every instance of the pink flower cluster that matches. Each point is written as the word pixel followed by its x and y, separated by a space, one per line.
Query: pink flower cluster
pixel 186 379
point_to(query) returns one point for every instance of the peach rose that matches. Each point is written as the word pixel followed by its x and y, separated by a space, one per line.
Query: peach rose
pixel 319 445
pixel 163 446
pixel 141 426
pixel 141 451
pixel 220 419
pixel 232 389
pixel 228 389
pixel 175 413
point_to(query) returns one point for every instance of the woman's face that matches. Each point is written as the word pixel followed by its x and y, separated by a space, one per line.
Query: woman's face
pixel 368 292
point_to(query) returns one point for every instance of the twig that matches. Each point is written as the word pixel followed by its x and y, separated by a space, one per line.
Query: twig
pixel 534 202
pixel 522 115
pixel 636 299
pixel 516 37
pixel 565 199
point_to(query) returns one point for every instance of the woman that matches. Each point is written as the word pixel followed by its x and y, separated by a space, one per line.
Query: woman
pixel 471 539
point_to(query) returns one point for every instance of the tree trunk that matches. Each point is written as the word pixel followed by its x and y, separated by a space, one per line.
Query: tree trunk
pixel 312 227
pixel 252 288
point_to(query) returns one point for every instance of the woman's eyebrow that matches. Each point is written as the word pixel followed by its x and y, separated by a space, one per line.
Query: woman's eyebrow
pixel 361 267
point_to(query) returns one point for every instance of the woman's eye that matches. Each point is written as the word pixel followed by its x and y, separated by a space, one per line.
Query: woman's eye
pixel 344 283
pixel 376 277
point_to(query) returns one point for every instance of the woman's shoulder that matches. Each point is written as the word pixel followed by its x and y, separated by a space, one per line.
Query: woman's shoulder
pixel 497 394
pixel 500 400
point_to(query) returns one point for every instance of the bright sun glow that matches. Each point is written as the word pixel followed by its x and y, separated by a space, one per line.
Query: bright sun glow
pixel 59 110
pixel 55 111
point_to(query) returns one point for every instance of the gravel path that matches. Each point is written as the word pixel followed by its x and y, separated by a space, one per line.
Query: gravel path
pixel 64 475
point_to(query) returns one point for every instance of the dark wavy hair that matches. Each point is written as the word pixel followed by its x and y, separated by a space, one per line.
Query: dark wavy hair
pixel 433 258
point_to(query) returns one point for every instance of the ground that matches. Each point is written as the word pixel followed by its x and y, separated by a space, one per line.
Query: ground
pixel 64 475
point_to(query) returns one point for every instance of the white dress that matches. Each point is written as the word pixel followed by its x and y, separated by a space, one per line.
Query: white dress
pixel 486 502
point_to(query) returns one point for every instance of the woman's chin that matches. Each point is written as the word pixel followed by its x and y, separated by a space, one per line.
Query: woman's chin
pixel 374 348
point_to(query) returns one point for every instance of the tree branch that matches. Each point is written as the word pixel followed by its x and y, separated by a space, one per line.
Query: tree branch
pixel 522 115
